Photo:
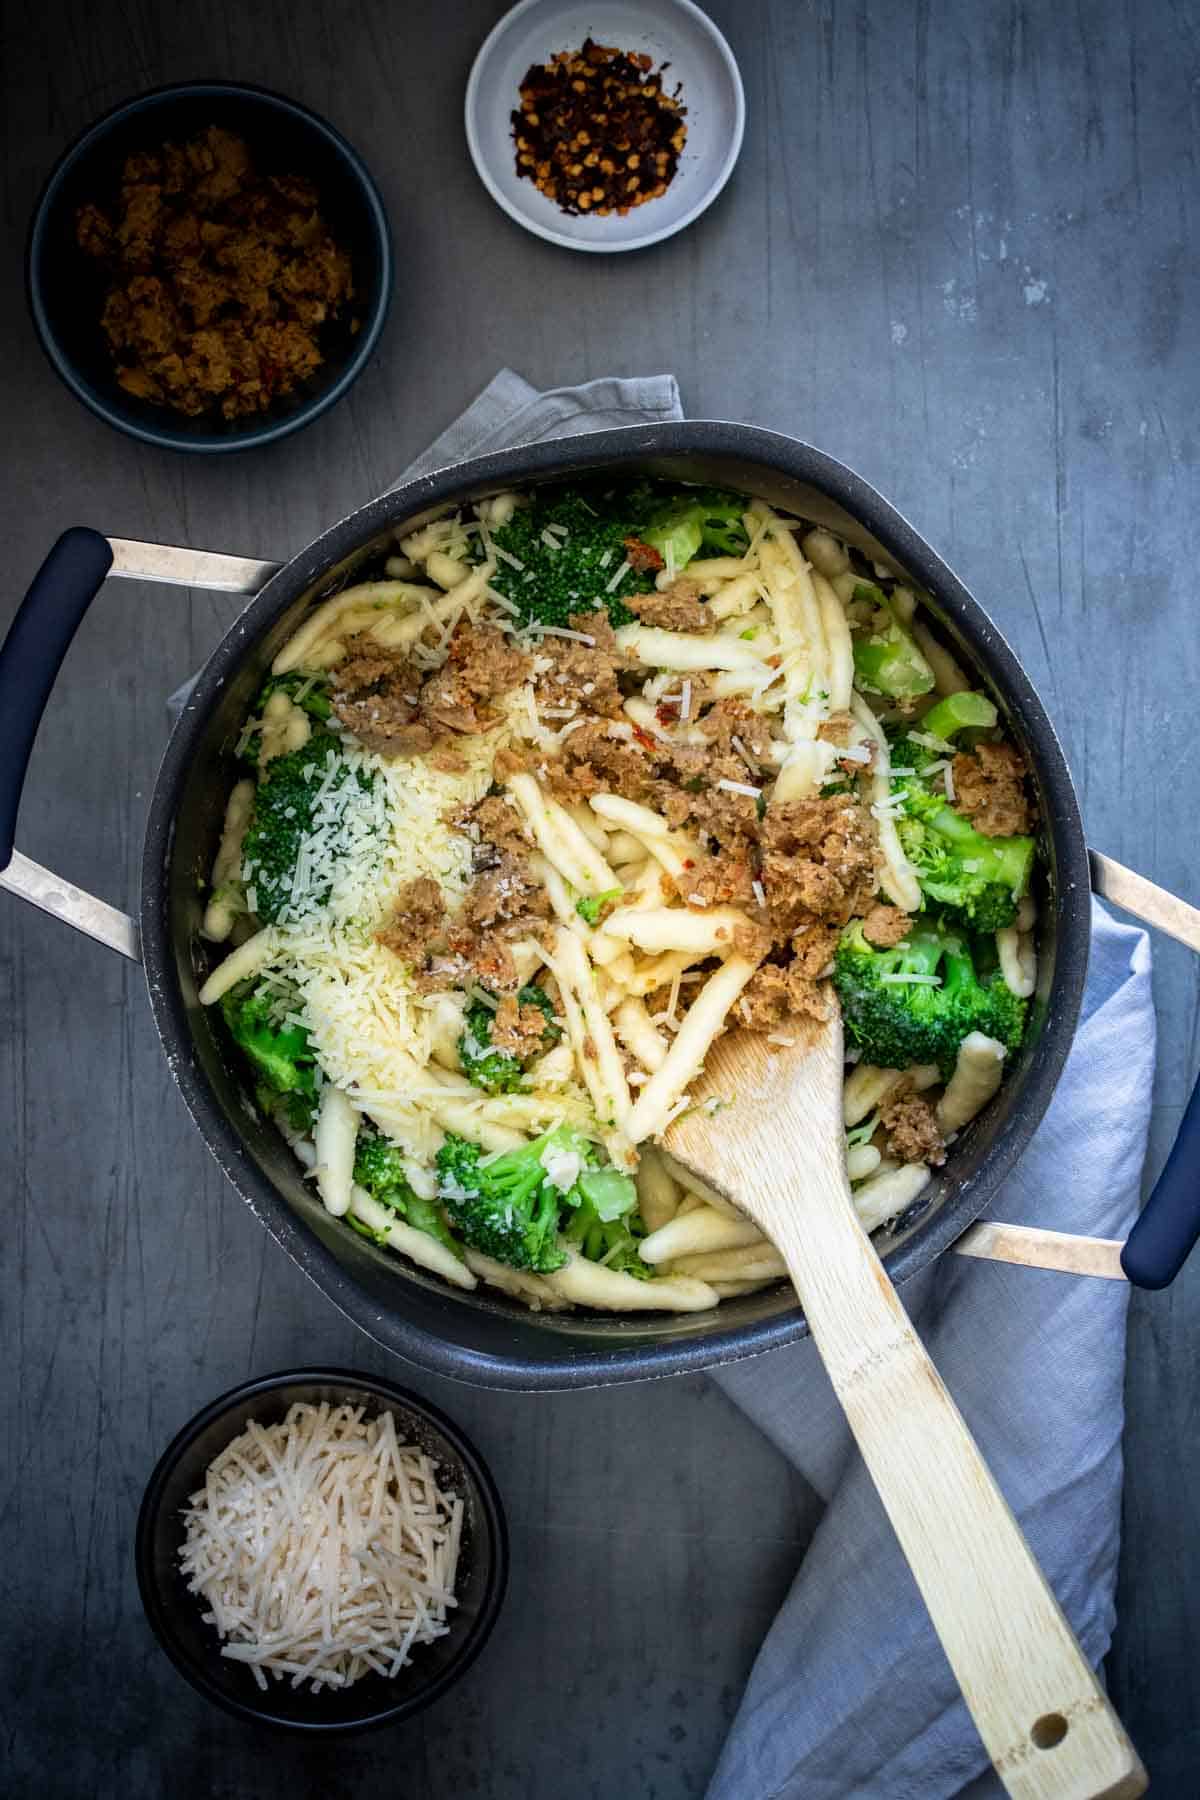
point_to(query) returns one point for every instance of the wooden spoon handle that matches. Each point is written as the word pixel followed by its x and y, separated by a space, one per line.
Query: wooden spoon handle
pixel 1039 1709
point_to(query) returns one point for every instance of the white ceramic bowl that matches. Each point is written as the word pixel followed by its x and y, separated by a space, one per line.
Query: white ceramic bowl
pixel 671 31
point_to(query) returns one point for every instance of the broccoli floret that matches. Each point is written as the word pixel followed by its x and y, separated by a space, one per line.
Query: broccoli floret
pixel 497 1071
pixel 588 529
pixel 591 906
pixel 887 659
pixel 980 879
pixel 938 727
pixel 862 1134
pixel 511 1207
pixel 570 543
pixel 379 1168
pixel 965 711
pixel 283 818
pixel 281 1055
pixel 708 519
pixel 605 1224
pixel 309 692
pixel 897 1021
pixel 508 1208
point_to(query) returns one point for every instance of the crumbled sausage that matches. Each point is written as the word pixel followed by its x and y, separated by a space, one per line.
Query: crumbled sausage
pixel 508 763
pixel 418 921
pixel 911 1128
pixel 678 607
pixel 841 729
pixel 819 859
pixel 593 762
pixel 493 820
pixel 886 925
pixel 812 949
pixel 681 781
pixel 751 940
pixel 837 729
pixel 396 709
pixel 504 903
pixel 736 730
pixel 506 893
pixel 721 880
pixel 482 665
pixel 583 675
pixel 376 695
pixel 219 278
pixel 690 792
pixel 518 1030
pixel 779 993
pixel 989 789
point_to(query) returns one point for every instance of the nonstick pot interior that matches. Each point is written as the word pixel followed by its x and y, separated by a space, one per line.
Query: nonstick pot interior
pixel 482 1336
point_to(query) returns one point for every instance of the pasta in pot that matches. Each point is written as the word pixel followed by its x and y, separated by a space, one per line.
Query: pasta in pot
pixel 585 778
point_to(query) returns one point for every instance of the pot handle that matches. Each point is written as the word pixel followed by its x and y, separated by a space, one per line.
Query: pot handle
pixel 30 658
pixel 1168 1227
pixel 32 653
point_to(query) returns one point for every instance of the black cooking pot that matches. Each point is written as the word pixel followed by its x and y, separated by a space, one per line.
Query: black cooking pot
pixel 482 1336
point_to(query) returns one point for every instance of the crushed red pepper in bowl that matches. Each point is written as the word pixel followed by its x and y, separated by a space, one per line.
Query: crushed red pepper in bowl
pixel 596 132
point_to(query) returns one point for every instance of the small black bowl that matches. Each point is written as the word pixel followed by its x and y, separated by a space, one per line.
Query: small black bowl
pixel 66 288
pixel 194 1647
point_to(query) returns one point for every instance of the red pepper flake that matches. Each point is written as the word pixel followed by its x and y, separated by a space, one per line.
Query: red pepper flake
pixel 595 131
pixel 642 557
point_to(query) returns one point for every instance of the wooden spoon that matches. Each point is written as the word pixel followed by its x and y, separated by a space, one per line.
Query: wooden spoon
pixel 775 1147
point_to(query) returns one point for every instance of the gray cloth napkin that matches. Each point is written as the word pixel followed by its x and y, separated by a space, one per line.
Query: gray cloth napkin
pixel 509 411
pixel 851 1693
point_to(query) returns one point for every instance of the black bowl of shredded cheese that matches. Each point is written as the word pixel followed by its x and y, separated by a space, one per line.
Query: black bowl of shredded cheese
pixel 322 1551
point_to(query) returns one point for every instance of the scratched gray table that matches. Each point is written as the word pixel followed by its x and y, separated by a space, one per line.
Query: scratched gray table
pixel 956 253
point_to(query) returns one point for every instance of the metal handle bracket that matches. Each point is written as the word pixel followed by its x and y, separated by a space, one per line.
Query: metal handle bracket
pixel 1153 905
pixel 95 918
pixel 211 569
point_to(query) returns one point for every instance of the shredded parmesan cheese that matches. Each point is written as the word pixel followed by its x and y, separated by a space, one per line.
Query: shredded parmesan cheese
pixel 323 1547
pixel 562 631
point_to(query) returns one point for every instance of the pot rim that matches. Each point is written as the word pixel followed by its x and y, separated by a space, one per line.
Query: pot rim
pixel 677 1354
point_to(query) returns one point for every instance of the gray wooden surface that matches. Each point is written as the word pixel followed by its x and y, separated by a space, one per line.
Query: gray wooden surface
pixel 958 253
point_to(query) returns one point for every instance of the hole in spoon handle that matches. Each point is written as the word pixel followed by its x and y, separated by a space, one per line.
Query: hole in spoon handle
pixel 1049 1731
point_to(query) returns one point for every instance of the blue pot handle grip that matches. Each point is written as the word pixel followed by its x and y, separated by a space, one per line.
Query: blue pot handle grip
pixel 1168 1226
pixel 32 654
